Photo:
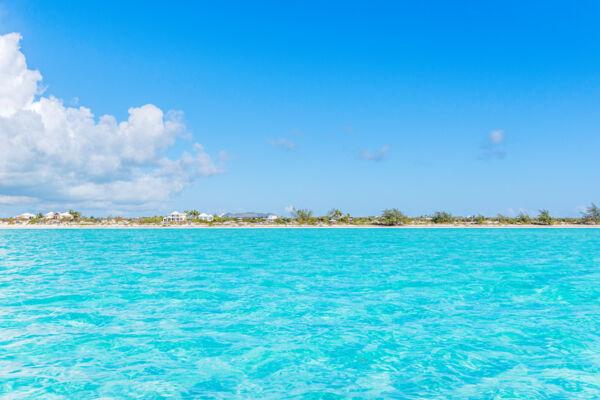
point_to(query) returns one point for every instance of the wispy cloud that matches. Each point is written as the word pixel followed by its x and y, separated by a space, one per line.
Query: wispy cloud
pixel 12 200
pixel 282 142
pixel 377 155
pixel 493 146
pixel 496 137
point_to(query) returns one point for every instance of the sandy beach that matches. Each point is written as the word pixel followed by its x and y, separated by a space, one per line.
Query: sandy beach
pixel 298 226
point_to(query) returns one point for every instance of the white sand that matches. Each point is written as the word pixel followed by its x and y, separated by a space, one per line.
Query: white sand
pixel 266 226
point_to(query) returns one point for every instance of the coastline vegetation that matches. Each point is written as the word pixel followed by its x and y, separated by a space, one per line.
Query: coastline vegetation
pixel 304 216
pixel 393 217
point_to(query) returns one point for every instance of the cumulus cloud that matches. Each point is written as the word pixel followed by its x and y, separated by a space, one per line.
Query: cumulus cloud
pixel 376 155
pixel 56 153
pixel 282 142
pixel 492 148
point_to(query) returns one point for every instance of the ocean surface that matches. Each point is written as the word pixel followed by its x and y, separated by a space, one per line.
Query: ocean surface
pixel 300 314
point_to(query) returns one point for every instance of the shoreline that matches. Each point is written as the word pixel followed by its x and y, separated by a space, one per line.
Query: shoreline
pixel 250 226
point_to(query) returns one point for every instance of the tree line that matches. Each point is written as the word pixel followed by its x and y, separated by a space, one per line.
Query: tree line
pixel 388 217
pixel 395 217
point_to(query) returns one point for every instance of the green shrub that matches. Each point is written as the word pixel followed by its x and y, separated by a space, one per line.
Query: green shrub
pixel 523 218
pixel 442 217
pixel 393 217
pixel 591 214
pixel 544 218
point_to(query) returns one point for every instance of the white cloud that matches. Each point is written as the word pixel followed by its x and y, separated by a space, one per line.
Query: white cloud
pixel 496 136
pixel 12 200
pixel 377 155
pixel 493 146
pixel 18 85
pixel 65 154
pixel 282 142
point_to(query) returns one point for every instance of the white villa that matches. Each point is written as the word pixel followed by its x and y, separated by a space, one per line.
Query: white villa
pixel 271 217
pixel 58 216
pixel 206 217
pixel 175 217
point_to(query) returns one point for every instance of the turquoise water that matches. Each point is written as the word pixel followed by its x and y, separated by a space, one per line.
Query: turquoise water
pixel 271 314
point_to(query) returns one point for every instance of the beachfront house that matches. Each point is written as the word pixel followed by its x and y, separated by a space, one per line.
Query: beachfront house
pixel 206 217
pixel 58 216
pixel 175 217
pixel 271 218
pixel 25 216
pixel 66 216
pixel 51 215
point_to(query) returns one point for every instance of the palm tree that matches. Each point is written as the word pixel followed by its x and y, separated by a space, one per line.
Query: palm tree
pixel 75 214
pixel 334 213
pixel 347 218
pixel 193 213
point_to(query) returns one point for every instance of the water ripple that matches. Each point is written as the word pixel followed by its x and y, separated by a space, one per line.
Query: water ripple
pixel 271 314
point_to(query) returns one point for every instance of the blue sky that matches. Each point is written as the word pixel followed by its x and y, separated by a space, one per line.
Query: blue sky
pixel 466 107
